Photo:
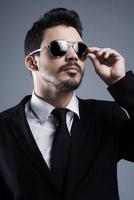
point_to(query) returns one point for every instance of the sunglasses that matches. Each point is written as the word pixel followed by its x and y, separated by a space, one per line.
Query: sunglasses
pixel 59 48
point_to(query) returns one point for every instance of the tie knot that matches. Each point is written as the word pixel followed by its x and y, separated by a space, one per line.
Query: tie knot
pixel 60 114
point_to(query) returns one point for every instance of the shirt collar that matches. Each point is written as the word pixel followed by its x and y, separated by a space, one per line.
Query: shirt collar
pixel 73 105
pixel 42 109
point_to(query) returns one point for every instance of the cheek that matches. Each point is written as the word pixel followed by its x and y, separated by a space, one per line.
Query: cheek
pixel 54 64
pixel 57 62
pixel 82 65
pixel 43 64
pixel 48 67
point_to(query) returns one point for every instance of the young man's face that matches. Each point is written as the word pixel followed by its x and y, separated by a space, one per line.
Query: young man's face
pixel 65 72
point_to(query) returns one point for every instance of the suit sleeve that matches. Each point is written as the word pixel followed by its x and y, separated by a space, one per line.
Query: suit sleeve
pixel 123 93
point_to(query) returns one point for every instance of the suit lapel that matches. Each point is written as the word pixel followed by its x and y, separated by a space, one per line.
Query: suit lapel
pixel 85 142
pixel 25 138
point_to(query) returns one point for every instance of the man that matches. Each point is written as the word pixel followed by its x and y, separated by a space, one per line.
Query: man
pixel 100 132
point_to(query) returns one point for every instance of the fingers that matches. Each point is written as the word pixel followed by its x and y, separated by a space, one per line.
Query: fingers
pixel 103 52
pixel 105 56
pixel 106 52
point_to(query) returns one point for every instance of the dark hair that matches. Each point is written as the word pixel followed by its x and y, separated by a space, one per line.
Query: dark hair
pixel 57 16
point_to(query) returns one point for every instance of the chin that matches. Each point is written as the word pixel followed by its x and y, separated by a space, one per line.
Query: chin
pixel 69 84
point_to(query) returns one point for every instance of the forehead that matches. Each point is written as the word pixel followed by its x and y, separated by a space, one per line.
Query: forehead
pixel 61 32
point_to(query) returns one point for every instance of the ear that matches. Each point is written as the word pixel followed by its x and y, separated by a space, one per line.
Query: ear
pixel 31 63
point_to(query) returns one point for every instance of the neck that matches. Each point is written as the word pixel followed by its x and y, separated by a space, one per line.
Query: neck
pixel 57 99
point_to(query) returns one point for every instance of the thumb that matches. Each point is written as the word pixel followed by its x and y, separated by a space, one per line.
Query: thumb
pixel 94 59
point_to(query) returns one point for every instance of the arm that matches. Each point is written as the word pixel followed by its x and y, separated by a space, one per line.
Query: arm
pixel 110 66
pixel 123 93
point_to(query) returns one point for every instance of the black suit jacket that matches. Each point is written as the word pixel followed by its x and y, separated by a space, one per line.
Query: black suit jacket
pixel 100 138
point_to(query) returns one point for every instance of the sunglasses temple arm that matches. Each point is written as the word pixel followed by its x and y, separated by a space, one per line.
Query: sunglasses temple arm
pixel 35 51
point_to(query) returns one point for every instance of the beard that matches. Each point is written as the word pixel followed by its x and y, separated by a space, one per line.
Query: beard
pixel 69 84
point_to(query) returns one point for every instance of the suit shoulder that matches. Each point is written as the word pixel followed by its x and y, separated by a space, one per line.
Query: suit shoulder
pixel 100 107
pixel 96 102
pixel 7 114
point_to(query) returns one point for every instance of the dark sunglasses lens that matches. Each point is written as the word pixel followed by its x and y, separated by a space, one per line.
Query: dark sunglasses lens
pixel 81 50
pixel 58 48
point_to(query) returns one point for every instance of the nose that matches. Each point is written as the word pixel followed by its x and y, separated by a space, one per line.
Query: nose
pixel 71 55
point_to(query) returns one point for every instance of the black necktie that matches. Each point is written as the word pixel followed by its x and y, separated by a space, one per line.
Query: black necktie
pixel 60 149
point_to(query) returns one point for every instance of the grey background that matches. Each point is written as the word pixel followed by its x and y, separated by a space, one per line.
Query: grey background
pixel 106 24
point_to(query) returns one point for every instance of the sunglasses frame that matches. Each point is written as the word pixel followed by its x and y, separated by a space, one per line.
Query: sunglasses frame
pixel 69 44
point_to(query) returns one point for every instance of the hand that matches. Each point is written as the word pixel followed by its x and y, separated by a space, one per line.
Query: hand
pixel 108 64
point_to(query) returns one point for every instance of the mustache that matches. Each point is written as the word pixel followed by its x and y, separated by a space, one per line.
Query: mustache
pixel 68 64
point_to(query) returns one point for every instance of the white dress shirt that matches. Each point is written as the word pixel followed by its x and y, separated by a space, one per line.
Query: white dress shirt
pixel 43 124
